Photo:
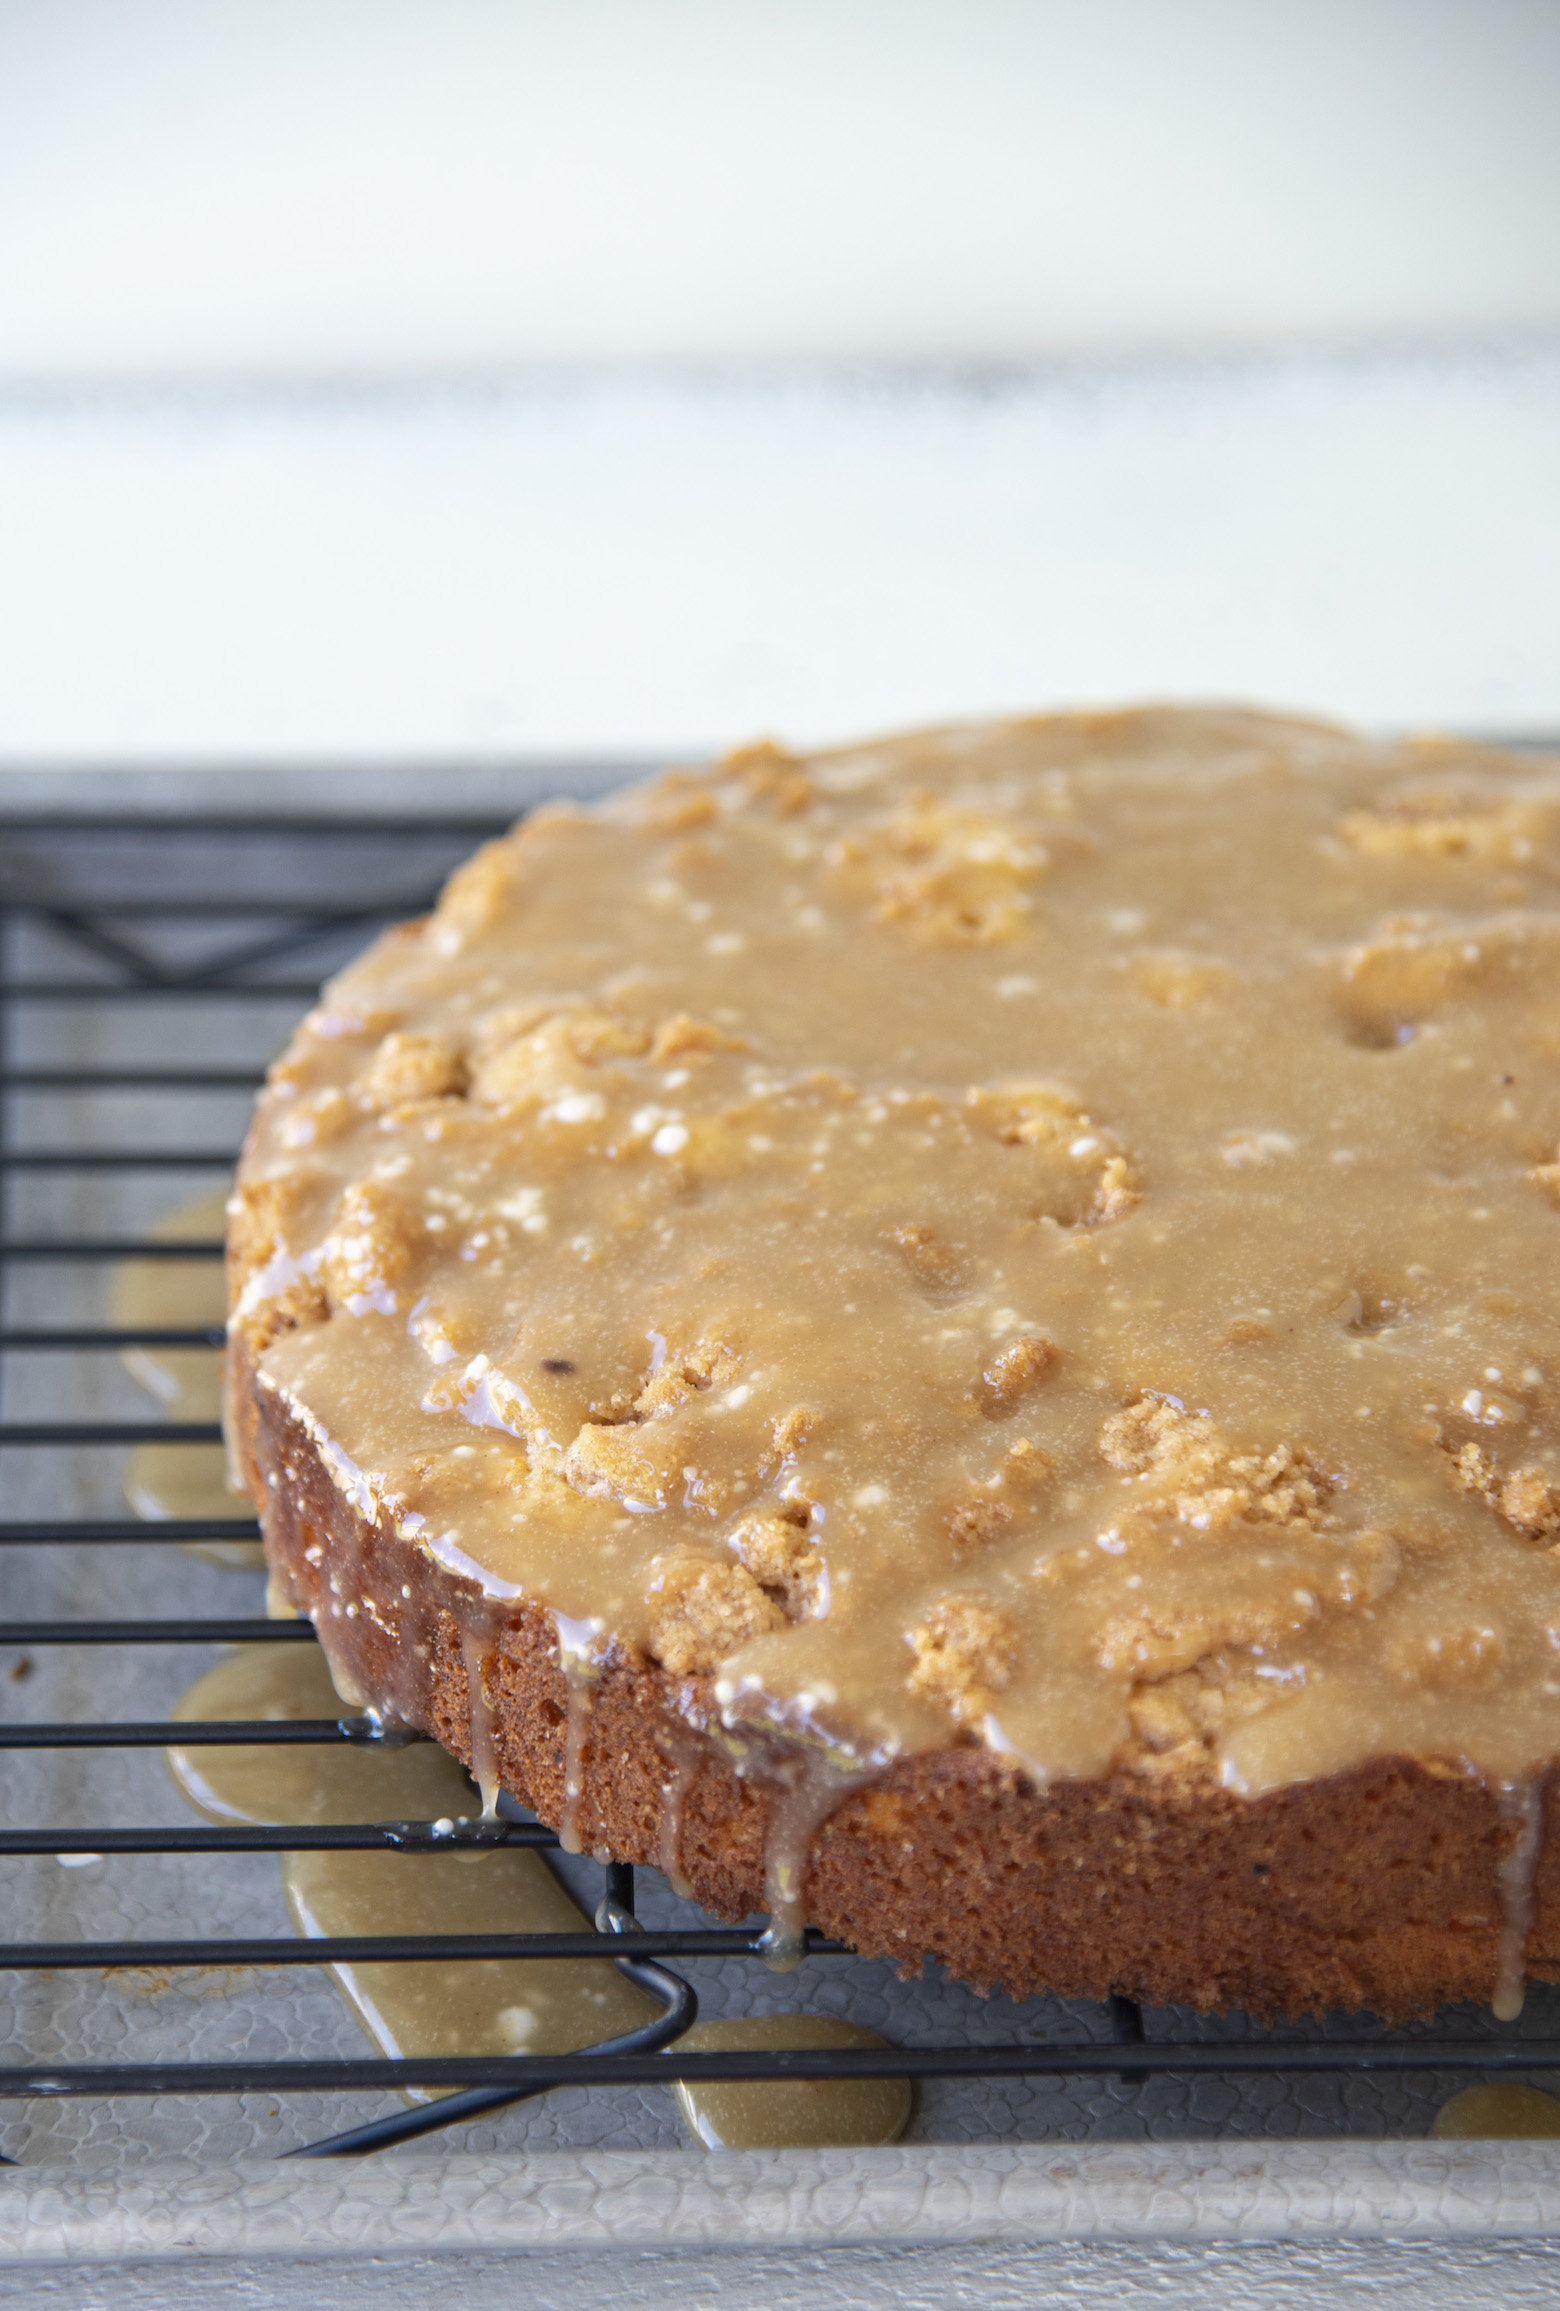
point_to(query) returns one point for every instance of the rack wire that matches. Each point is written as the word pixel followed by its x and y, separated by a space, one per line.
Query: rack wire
pixel 114 917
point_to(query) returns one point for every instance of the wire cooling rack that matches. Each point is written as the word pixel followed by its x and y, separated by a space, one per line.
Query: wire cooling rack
pixel 121 935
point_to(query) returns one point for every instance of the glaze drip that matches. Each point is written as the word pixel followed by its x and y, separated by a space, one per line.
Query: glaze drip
pixel 578 1658
pixel 484 1760
pixel 803 1787
pixel 1521 1802
pixel 682 1758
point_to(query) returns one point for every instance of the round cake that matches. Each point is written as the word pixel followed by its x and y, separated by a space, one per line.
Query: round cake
pixel 956 1340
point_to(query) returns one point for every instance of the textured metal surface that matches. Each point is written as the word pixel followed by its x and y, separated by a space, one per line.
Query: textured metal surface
pixel 1343 2276
pixel 1466 2225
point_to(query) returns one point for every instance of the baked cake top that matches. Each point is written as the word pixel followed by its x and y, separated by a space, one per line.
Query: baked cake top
pixel 1041 1234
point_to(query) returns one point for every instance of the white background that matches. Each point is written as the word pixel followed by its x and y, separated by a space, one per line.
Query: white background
pixel 652 567
pixel 305 185
pixel 478 378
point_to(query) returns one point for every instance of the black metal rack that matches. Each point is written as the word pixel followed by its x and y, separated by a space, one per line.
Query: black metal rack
pixel 124 910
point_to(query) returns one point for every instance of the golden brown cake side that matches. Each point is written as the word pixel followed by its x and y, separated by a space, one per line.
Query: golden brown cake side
pixel 1377 1889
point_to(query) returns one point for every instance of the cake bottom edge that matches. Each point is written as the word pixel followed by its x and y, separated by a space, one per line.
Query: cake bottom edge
pixel 1388 1888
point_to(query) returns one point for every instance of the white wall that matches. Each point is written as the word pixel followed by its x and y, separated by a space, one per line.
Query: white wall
pixel 456 552
pixel 307 186
pixel 648 567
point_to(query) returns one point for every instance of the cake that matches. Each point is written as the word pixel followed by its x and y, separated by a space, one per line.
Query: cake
pixel 956 1340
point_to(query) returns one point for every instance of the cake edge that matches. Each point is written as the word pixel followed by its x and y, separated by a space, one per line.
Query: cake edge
pixel 1380 1889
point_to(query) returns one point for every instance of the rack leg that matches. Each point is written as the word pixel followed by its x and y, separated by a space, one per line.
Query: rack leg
pixel 1126 2022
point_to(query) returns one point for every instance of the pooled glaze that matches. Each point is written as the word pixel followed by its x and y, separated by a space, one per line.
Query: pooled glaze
pixel 183 1481
pixel 314 1782
pixel 1497 2114
pixel 1041 1235
pixel 416 2007
pixel 755 2114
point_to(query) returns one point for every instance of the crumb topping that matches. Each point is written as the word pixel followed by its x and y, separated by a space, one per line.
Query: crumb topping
pixel 1043 1235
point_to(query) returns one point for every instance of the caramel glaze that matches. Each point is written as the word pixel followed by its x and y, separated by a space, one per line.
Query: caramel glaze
pixel 750 2114
pixel 1038 1237
pixel 1498 2114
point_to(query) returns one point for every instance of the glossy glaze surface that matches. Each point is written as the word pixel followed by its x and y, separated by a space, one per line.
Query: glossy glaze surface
pixel 1041 1234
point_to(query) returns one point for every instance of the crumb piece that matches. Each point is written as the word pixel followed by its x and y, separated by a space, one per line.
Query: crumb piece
pixel 1027 1465
pixel 1022 1364
pixel 1431 826
pixel 1389 985
pixel 1160 1718
pixel 508 1074
pixel 407 1067
pixel 706 1612
pixel 965 1650
pixel 492 1029
pixel 268 1219
pixel 513 1058
pixel 1179 1718
pixel 951 876
pixel 1043 1117
pixel 1118 1192
pixel 1529 1501
pixel 976 1524
pixel 1547 1177
pixel 937 1268
pixel 1202 1479
pixel 680 1034
pixel 791 1430
pixel 595 1036
pixel 537 1062
pixel 613 1460
pixel 318 1118
pixel 477 895
pixel 679 803
pixel 1527 1498
pixel 708 1364
pixel 1030 1115
pixel 372 1243
pixel 535 1052
pixel 783 1559
pixel 1146 1433
pixel 772 777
